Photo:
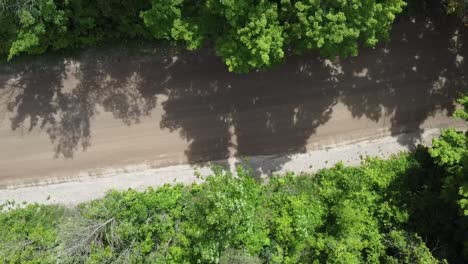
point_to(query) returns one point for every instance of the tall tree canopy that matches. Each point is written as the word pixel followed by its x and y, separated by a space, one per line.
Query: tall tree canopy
pixel 247 34
pixel 451 152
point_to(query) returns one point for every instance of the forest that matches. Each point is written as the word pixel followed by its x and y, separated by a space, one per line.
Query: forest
pixel 246 34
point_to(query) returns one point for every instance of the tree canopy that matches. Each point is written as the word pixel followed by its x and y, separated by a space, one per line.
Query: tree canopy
pixel 247 34
pixel 450 151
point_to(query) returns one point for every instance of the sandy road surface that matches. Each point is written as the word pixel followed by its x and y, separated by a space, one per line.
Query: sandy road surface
pixel 141 176
pixel 65 117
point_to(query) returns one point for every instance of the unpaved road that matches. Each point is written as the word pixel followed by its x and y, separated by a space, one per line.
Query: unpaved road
pixel 142 176
pixel 62 117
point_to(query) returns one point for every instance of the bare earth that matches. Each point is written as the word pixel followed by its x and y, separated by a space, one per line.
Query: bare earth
pixel 141 176
pixel 63 118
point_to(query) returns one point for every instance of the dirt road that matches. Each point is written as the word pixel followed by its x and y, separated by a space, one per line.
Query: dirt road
pixel 66 115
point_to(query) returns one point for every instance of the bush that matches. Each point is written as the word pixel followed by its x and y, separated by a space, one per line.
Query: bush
pixel 29 235
pixel 376 213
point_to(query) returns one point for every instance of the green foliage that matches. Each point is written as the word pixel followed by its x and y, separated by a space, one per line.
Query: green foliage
pixel 450 152
pixel 232 256
pixel 7 34
pixel 36 26
pixel 40 26
pixel 409 248
pixel 129 227
pixel 336 28
pixel 463 112
pixel 29 235
pixel 376 213
pixel 93 22
pixel 246 34
pixel 255 35
pixel 226 213
pixel 164 20
pixel 258 43
pixel 450 149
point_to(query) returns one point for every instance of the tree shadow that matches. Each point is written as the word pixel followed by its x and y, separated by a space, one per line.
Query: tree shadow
pixel 419 72
pixel 62 94
pixel 275 112
pixel 223 115
pixel 255 114
pixel 33 107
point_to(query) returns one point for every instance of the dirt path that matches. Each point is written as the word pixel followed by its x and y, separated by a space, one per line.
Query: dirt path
pixel 68 117
pixel 142 176
pixel 29 158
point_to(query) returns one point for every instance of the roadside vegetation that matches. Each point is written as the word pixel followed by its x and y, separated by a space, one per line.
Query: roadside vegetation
pixel 245 34
pixel 411 208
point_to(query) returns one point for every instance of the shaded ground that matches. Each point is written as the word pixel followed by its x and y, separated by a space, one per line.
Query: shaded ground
pixel 167 106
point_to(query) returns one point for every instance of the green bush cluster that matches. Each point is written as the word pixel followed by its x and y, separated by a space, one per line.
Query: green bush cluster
pixel 247 34
pixel 401 210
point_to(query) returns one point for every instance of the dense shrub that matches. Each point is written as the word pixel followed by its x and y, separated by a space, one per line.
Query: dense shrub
pixel 385 211
pixel 30 235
